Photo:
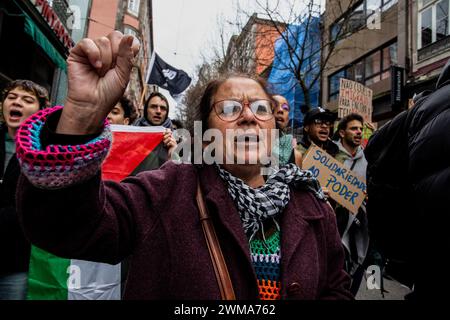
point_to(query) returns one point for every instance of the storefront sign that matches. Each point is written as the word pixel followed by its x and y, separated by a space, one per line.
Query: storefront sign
pixel 396 85
pixel 54 22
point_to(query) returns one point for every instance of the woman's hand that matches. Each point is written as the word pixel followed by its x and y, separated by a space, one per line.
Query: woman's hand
pixel 169 142
pixel 98 74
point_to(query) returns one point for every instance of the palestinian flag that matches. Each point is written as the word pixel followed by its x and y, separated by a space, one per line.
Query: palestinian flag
pixel 134 149
pixel 141 147
pixel 54 278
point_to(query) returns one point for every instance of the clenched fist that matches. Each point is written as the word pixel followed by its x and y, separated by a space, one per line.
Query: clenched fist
pixel 98 74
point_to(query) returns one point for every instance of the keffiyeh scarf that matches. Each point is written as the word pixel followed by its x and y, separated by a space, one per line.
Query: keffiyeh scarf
pixel 266 202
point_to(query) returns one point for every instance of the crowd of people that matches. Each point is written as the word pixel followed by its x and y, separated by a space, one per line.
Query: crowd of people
pixel 280 236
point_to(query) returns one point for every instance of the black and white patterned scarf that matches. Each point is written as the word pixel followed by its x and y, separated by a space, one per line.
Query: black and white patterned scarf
pixel 257 205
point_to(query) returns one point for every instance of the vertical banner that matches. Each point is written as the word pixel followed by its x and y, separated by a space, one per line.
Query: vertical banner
pixel 396 86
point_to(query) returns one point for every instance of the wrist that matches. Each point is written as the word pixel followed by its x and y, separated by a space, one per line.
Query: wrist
pixel 79 120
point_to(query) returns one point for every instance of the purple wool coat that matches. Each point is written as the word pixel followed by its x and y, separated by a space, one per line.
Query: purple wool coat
pixel 153 220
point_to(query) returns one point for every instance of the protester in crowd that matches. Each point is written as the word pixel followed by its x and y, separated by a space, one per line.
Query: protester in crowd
pixel 20 99
pixel 156 113
pixel 288 153
pixel 317 125
pixel 153 217
pixel 353 228
pixel 123 112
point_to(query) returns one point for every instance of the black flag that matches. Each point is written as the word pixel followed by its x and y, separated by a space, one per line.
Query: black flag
pixel 167 77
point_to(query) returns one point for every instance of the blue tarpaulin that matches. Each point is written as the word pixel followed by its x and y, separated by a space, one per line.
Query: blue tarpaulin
pixel 282 77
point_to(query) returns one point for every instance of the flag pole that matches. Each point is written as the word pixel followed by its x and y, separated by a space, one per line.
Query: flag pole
pixel 150 66
pixel 147 77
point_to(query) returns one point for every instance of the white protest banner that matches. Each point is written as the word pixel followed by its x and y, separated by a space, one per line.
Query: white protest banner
pixel 354 98
pixel 345 186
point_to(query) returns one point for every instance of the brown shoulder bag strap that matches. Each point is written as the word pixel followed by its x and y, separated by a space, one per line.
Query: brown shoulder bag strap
pixel 220 267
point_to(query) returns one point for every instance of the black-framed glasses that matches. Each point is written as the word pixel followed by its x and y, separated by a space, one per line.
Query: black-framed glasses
pixel 231 110
pixel 320 122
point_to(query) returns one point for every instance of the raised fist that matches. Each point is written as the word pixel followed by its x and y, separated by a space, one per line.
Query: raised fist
pixel 98 74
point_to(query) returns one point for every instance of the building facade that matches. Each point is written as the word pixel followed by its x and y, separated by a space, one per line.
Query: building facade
pixel 395 47
pixel 367 39
pixel 252 51
pixel 35 37
pixel 130 17
pixel 429 43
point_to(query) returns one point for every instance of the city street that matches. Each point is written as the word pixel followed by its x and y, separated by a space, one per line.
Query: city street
pixel 393 291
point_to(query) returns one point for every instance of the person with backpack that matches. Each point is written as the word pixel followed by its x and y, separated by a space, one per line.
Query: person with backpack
pixel 409 182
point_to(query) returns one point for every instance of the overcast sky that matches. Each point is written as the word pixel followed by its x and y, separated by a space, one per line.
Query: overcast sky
pixel 186 29
pixel 183 29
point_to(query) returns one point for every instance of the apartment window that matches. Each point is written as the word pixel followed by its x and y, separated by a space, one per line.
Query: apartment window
pixel 373 67
pixel 349 24
pixel 357 17
pixel 133 7
pixel 441 20
pixel 368 70
pixel 334 82
pixel 356 72
pixel 433 21
pixel 372 6
pixel 335 30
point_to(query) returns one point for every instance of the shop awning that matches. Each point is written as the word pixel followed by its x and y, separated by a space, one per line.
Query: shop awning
pixel 33 31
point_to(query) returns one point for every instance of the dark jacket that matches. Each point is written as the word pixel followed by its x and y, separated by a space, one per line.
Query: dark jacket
pixel 429 174
pixel 154 218
pixel 14 248
pixel 408 187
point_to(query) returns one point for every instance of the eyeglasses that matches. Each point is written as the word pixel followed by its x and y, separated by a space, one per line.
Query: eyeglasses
pixel 231 110
pixel 319 122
